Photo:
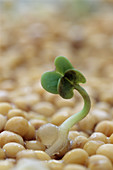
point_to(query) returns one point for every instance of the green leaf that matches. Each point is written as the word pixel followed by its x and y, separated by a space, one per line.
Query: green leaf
pixel 74 76
pixel 62 64
pixel 49 81
pixel 65 88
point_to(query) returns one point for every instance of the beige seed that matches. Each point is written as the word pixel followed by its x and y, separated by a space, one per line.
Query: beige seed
pixel 36 123
pixel 79 142
pixel 2 122
pixel 107 150
pixel 77 156
pixel 111 139
pixel 12 148
pixel 59 117
pixel 34 145
pixel 55 164
pixel 98 162
pixel 60 102
pixel 16 112
pixel 17 125
pixel 4 108
pixel 6 165
pixel 2 154
pixel 91 146
pixel 41 155
pixel 74 167
pixel 105 127
pixel 73 134
pixel 98 136
pixel 44 108
pixel 31 132
pixel 6 137
pixel 26 154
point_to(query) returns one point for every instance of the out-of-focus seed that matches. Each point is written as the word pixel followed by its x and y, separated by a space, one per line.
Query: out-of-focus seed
pixel 107 150
pixel 17 125
pixel 74 167
pixel 2 122
pixel 26 154
pixel 44 108
pixel 4 108
pixel 77 156
pixel 55 164
pixel 16 112
pixel 79 142
pixel 105 127
pixel 97 162
pixel 101 115
pixel 2 154
pixel 41 155
pixel 88 123
pixel 6 137
pixel 91 146
pixel 36 123
pixel 111 139
pixel 34 145
pixel 6 164
pixel 12 148
pixel 30 133
pixel 59 117
pixel 98 136
pixel 60 102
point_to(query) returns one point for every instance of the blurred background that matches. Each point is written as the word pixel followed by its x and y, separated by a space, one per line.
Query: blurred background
pixel 34 32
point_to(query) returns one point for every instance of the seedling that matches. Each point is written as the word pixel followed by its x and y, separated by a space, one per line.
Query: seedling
pixel 63 80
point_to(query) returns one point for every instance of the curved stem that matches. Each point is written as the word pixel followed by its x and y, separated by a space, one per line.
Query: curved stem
pixel 67 124
pixel 64 128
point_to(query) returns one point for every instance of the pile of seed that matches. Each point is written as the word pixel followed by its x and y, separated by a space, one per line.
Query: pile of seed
pixel 27 49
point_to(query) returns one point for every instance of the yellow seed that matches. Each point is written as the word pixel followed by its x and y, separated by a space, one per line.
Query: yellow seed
pixel 111 139
pixel 4 108
pixel 12 148
pixel 2 154
pixel 37 123
pixel 17 125
pixel 30 133
pixel 44 108
pixel 77 156
pixel 98 162
pixel 6 165
pixel 2 122
pixel 34 145
pixel 98 136
pixel 105 127
pixel 91 146
pixel 79 142
pixel 73 135
pixel 107 150
pixel 59 117
pixel 74 167
pixel 55 164
pixel 60 102
pixel 26 154
pixel 6 137
pixel 41 155
pixel 16 112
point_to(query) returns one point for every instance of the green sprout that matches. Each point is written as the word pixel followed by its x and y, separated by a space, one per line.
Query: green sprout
pixel 63 80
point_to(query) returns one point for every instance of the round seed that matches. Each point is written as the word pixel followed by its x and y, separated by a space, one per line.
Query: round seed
pixel 77 156
pixel 17 125
pixel 6 137
pixel 34 145
pixel 107 150
pixel 4 108
pixel 2 122
pixel 12 148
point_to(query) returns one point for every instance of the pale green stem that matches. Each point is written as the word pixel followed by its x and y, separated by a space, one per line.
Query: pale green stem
pixel 64 128
pixel 68 123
